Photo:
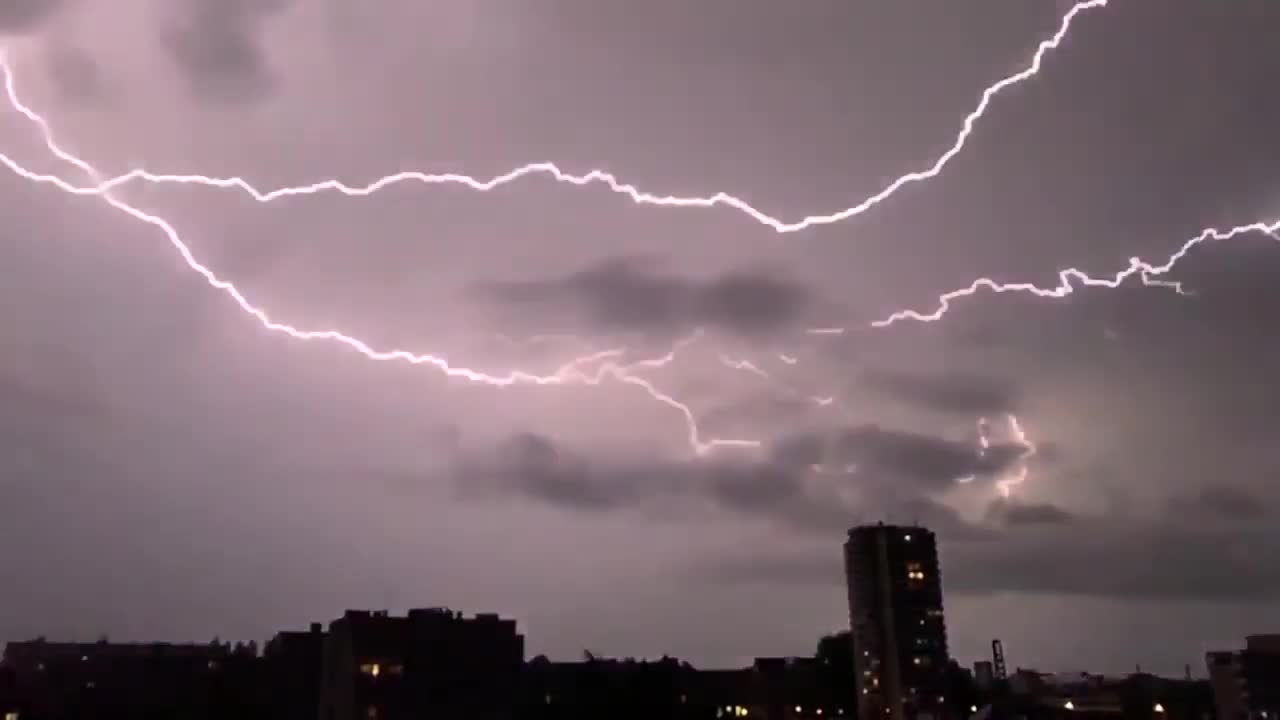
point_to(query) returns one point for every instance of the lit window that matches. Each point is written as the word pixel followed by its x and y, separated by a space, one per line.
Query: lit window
pixel 84 658
pixel 683 698
pixel 548 698
pixel 11 716
pixel 371 669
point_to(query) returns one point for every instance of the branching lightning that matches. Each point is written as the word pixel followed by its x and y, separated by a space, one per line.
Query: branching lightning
pixel 594 368
pixel 607 179
pixel 570 373
pixel 1017 477
pixel 1071 278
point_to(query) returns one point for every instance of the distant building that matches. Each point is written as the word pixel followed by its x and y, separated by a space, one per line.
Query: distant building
pixel 1246 683
pixel 132 680
pixel 429 663
pixel 896 618
pixel 292 663
pixel 983 674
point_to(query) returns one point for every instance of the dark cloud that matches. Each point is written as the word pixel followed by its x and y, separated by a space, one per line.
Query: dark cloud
pixel 798 484
pixel 77 75
pixel 1096 558
pixel 1227 502
pixel 532 465
pixel 923 462
pixel 215 44
pixel 1013 512
pixel 631 294
pixel 20 16
pixel 960 393
pixel 1117 559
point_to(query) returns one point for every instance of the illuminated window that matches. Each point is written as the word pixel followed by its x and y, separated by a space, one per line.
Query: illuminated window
pixel 548 698
pixel 11 716
pixel 371 669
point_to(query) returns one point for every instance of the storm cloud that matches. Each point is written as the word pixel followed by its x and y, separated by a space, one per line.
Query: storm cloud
pixel 639 295
pixel 157 436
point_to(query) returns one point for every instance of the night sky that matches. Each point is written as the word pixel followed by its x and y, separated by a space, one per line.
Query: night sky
pixel 172 470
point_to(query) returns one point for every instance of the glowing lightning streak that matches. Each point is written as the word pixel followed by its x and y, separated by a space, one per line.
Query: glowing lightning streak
pixel 599 176
pixel 744 365
pixel 1006 485
pixel 567 374
pixel 1137 267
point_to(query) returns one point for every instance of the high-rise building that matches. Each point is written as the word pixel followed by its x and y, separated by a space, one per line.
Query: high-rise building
pixel 1246 683
pixel 895 615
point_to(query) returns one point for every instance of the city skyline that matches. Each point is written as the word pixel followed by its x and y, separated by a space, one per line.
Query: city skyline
pixel 1099 462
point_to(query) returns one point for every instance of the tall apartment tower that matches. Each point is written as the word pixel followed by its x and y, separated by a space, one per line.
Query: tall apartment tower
pixel 895 615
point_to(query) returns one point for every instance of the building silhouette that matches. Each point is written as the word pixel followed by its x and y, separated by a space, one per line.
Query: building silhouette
pixel 291 668
pixel 895 616
pixel 1246 683
pixel 105 681
pixel 428 663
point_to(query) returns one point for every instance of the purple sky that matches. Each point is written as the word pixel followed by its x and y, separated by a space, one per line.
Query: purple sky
pixel 174 471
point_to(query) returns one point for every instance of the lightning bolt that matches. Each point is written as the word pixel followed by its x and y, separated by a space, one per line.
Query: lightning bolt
pixel 569 373
pixel 593 177
pixel 1071 278
pixel 1005 484
pixel 744 365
